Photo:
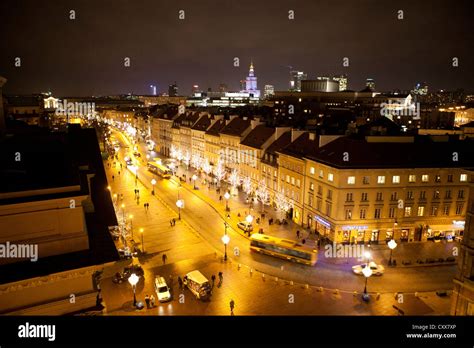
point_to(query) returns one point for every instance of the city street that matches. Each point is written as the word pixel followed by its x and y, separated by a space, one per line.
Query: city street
pixel 203 217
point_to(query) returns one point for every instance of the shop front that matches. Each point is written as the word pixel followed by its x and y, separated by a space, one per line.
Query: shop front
pixel 354 234
pixel 438 233
pixel 323 227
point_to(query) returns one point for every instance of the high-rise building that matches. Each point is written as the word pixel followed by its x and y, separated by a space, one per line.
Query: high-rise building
pixel 370 83
pixel 173 90
pixel 251 83
pixel 342 80
pixel 295 80
pixel 269 91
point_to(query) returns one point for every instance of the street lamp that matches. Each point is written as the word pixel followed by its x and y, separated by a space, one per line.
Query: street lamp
pixel 133 280
pixel 392 245
pixel 109 188
pixel 194 177
pixel 367 273
pixel 179 204
pixel 249 218
pixel 225 240
pixel 227 196
pixel 143 244
pixel 153 182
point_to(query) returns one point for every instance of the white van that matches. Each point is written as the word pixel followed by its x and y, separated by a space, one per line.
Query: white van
pixel 198 284
pixel 162 290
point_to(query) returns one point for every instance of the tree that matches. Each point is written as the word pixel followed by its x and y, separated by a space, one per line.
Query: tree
pixel 282 203
pixel 234 178
pixel 262 193
pixel 247 185
pixel 219 172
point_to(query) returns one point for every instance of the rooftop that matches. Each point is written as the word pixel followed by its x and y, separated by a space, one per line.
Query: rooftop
pixel 236 126
pixel 258 136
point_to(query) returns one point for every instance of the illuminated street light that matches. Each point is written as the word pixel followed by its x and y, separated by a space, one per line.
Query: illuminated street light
pixel 249 218
pixel 225 240
pixel 153 182
pixel 180 205
pixel 143 244
pixel 227 196
pixel 109 188
pixel 392 245
pixel 133 280
pixel 194 177
pixel 367 271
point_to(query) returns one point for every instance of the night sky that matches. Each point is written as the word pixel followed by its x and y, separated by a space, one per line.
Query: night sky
pixel 85 56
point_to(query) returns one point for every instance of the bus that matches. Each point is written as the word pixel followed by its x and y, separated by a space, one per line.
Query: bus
pixel 283 248
pixel 159 169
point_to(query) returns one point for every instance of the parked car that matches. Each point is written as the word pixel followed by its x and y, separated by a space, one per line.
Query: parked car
pixel 245 226
pixel 376 269
pixel 198 284
pixel 162 290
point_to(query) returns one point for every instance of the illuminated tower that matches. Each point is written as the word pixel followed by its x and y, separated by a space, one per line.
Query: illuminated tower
pixel 251 83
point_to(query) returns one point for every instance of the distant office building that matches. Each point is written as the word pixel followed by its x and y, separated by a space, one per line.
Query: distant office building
pixel 173 90
pixel 319 85
pixel 269 91
pixel 295 80
pixel 370 83
pixel 251 83
pixel 420 89
pixel 342 80
pixel 223 87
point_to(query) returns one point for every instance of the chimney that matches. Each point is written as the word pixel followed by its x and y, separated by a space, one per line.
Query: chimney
pixel 255 123
pixel 279 131
pixel 295 134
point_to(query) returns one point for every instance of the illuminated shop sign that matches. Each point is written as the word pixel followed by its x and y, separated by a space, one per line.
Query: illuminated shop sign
pixel 350 228
pixel 459 223
pixel 322 222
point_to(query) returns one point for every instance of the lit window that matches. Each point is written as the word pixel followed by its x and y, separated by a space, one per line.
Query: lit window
pixel 396 179
pixel 311 170
pixel 288 179
pixel 407 211
pixel 292 180
pixel 298 182
pixel 412 178
pixel 330 177
pixel 321 174
pixel 366 180
pixel 381 179
pixel 351 180
pixel 424 178
pixel 421 211
pixel 463 178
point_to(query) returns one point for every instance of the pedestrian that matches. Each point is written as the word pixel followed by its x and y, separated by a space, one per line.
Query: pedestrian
pixel 180 282
pixel 171 222
pixel 144 206
pixel 113 178
pixel 232 305
pixel 152 300
pixel 213 279
pixel 164 257
pixel 220 277
pixel 220 198
pixel 298 234
pixel 303 241
pixel 119 172
pixel 174 222
pixel 147 301
pixel 120 165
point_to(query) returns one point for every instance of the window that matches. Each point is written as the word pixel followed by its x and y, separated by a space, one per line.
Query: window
pixel 446 210
pixel 330 177
pixel 436 194
pixel 320 190
pixel 288 179
pixel 450 177
pixel 460 194
pixel 312 170
pixel 377 213
pixel 364 196
pixel 381 179
pixel 391 212
pixel 321 174
pixel 411 178
pixel 379 196
pixel 292 180
pixel 422 194
pixel 264 169
pixel 366 180
pixel 434 210
pixel 407 211
pixel 318 205
pixel 348 214
pixel 329 194
pixel 328 209
pixel 459 208
pixel 425 178
pixel 447 194
pixel 409 195
pixel 421 210
pixel 310 199
pixel 394 196
pixel 275 174
pixel 396 179
pixel 437 178
pixel 362 213
pixel 351 180
pixel 463 178
pixel 298 183
pixel 349 197
pixel 311 186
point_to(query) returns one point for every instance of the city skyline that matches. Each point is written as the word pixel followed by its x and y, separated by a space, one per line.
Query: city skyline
pixel 87 56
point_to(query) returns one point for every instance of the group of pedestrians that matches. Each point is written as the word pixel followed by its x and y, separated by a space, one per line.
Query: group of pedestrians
pixel 150 301
pixel 146 206
pixel 173 222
